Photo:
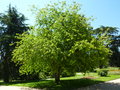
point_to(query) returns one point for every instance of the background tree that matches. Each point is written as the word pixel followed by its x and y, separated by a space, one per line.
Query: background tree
pixel 11 23
pixel 115 47
pixel 61 40
pixel 114 44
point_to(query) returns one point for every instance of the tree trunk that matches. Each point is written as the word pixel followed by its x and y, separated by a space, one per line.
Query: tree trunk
pixel 5 71
pixel 57 77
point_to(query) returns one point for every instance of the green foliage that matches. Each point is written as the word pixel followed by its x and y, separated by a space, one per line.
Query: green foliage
pixel 42 75
pixel 114 46
pixel 107 30
pixel 61 39
pixel 66 73
pixel 103 72
pixel 112 40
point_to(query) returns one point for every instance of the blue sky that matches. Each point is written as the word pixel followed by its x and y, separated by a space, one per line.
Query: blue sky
pixel 105 12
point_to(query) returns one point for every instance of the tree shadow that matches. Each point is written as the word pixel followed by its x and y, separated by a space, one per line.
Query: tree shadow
pixel 50 84
pixel 67 84
pixel 75 84
pixel 18 82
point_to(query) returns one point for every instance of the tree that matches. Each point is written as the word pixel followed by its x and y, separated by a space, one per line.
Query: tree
pixel 61 40
pixel 115 48
pixel 11 23
pixel 114 44
pixel 106 30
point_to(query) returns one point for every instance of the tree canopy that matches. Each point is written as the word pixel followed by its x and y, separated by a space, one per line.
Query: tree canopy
pixel 114 44
pixel 62 39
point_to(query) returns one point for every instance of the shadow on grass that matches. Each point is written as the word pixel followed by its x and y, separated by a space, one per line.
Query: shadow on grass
pixel 18 82
pixel 68 84
pixel 50 85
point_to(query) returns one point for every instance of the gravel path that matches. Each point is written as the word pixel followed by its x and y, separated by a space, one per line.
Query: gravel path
pixel 16 88
pixel 109 85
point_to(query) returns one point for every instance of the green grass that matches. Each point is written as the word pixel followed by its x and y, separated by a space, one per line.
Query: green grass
pixel 66 83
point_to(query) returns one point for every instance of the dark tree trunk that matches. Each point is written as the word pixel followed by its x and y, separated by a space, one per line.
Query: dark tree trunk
pixel 5 71
pixel 57 77
pixel 101 66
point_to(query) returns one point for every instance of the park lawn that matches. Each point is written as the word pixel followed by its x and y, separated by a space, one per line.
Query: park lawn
pixel 66 83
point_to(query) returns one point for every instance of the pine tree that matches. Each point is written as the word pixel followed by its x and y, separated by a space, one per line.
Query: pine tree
pixel 11 23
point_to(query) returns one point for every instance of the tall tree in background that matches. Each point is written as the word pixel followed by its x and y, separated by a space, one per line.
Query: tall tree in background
pixel 11 23
pixel 114 44
pixel 115 47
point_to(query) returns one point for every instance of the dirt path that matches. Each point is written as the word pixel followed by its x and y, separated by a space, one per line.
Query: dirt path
pixel 109 85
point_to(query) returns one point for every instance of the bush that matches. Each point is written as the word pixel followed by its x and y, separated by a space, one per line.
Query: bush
pixel 103 72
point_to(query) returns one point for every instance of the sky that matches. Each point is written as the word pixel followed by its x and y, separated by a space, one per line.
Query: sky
pixel 104 12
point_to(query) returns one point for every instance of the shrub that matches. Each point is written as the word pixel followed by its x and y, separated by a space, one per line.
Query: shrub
pixel 103 72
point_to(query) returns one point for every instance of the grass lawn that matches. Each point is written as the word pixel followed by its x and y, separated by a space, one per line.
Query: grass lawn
pixel 67 83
